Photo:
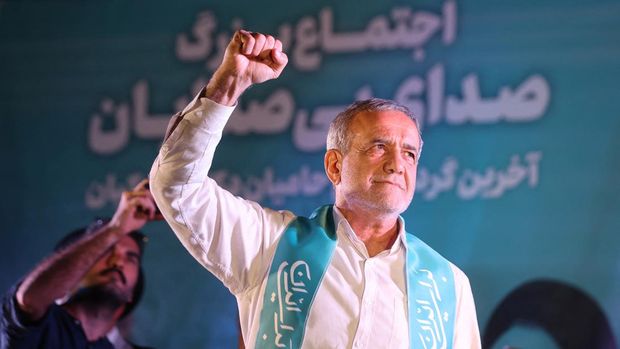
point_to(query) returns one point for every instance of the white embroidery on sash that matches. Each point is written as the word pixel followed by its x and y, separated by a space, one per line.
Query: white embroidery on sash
pixel 291 293
pixel 429 315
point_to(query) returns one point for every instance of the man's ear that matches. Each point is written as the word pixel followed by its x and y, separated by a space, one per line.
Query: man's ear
pixel 118 313
pixel 333 165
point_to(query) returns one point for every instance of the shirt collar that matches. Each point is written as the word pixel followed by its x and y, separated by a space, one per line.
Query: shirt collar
pixel 342 225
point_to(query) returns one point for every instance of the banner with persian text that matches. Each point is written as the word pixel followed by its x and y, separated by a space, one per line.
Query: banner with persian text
pixel 518 104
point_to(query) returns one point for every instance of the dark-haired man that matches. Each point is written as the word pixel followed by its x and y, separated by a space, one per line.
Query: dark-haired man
pixel 76 296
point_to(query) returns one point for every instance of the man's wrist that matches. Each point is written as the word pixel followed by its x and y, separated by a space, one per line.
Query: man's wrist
pixel 225 90
pixel 115 228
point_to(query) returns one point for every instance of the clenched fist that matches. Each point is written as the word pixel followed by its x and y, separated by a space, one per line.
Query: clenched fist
pixel 250 58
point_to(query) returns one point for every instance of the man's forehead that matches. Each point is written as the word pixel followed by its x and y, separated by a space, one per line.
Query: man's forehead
pixel 389 124
pixel 128 243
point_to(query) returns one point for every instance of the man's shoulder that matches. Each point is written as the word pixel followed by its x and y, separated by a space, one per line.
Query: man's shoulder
pixel 430 253
pixel 15 319
pixel 417 244
pixel 13 316
pixel 18 331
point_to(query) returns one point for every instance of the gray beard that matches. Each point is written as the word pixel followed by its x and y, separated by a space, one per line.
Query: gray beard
pixel 99 299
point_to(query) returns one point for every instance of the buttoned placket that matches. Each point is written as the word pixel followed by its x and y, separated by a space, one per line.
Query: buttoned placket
pixel 366 307
pixel 375 301
pixel 371 289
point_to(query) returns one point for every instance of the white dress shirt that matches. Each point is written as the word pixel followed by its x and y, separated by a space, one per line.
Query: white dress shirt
pixel 362 300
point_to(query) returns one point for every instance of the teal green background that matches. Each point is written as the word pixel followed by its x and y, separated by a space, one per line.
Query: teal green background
pixel 60 59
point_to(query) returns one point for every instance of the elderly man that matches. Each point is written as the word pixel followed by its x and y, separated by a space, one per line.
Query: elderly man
pixel 75 297
pixel 348 276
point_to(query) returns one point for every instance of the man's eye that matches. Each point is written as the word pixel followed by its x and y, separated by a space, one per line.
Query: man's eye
pixel 411 155
pixel 133 259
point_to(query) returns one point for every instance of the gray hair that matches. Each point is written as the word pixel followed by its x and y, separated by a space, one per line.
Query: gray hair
pixel 338 136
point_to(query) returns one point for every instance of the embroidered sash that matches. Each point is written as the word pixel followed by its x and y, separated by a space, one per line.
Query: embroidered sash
pixel 299 264
pixel 431 296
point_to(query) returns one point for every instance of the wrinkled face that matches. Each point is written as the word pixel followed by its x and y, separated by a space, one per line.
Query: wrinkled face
pixel 117 270
pixel 379 169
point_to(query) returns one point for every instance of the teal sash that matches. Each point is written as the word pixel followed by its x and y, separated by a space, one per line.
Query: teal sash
pixel 431 296
pixel 299 264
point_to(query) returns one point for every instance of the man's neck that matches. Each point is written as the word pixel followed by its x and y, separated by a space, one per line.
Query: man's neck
pixel 95 321
pixel 377 232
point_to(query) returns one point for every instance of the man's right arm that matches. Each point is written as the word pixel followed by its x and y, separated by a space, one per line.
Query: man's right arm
pixel 58 275
pixel 233 238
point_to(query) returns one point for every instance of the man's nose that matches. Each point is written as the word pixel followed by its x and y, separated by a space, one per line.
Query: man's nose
pixel 394 163
pixel 115 259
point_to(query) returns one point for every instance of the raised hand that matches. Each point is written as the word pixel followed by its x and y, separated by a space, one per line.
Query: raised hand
pixel 135 208
pixel 250 58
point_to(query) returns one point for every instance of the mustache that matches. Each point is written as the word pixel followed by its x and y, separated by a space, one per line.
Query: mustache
pixel 114 270
pixel 392 180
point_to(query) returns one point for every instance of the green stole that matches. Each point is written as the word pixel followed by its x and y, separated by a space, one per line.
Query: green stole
pixel 302 256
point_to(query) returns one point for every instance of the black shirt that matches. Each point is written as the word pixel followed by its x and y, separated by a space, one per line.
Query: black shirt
pixel 57 329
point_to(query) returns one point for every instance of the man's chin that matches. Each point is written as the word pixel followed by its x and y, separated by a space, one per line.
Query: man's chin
pixel 395 204
pixel 389 208
pixel 108 294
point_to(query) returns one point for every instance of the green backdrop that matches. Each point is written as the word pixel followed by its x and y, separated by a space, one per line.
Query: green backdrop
pixel 519 103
